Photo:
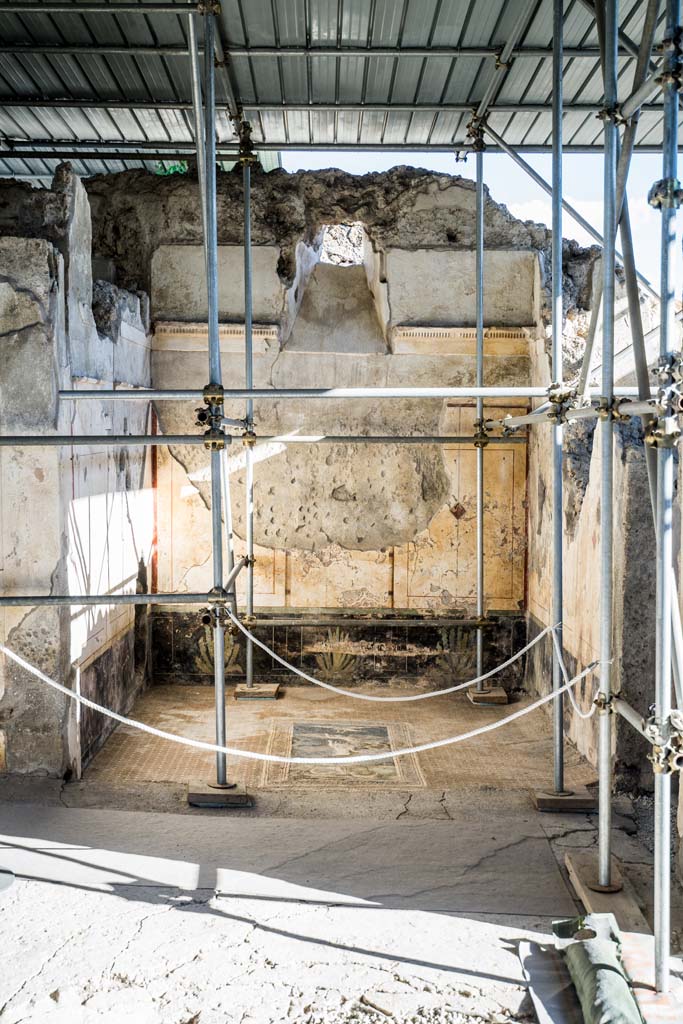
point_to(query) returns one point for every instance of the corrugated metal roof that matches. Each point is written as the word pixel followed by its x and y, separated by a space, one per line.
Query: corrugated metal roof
pixel 323 73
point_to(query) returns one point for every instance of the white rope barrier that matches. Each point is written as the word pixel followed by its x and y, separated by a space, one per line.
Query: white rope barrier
pixel 275 758
pixel 386 700
pixel 565 675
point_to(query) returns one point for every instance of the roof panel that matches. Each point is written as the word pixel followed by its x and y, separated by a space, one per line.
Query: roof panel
pixel 270 84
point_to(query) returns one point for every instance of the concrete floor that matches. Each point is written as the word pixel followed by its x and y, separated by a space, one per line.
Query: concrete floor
pixel 332 901
pixel 170 919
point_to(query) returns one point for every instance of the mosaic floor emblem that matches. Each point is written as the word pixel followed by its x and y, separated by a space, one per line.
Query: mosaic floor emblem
pixel 341 739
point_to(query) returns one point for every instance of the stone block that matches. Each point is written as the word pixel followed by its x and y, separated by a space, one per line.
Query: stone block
pixel 437 286
pixel 179 283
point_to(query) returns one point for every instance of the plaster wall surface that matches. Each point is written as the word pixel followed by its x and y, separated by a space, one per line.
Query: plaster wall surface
pixel 72 520
pixel 350 524
pixel 178 278
pixel 440 285
pixel 634 553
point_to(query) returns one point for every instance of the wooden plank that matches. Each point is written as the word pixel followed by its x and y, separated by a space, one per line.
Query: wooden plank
pixel 259 691
pixel 201 794
pixel 582 866
pixel 487 697
pixel 578 801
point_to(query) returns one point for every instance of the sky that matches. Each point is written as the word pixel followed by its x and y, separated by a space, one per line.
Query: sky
pixel 509 184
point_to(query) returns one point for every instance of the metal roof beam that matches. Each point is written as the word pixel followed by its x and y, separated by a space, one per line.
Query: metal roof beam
pixel 88 102
pixel 423 52
pixel 477 52
pixel 111 50
pixel 98 7
pixel 225 154
pixel 120 145
pixel 111 154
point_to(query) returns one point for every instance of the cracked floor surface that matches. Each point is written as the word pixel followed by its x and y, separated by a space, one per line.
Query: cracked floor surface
pixel 161 918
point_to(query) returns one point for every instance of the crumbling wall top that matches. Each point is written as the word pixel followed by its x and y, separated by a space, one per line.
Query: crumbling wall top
pixel 409 208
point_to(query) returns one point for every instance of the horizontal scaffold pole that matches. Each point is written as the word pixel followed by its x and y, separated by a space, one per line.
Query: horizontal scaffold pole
pixel 155 440
pixel 274 394
pixel 76 600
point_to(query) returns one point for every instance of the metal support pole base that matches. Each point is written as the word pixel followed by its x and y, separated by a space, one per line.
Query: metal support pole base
pixel 489 696
pixel 571 801
pixel 215 795
pixel 257 691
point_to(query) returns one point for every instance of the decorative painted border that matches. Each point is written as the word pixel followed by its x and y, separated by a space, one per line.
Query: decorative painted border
pixel 176 336
pixel 425 340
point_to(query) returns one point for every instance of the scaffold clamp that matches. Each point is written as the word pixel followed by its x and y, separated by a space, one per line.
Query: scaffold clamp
pixel 208 7
pixel 664 432
pixel 562 400
pixel 247 154
pixel 213 394
pixel 215 439
pixel 604 704
pixel 666 194
pixel 481 434
pixel 474 131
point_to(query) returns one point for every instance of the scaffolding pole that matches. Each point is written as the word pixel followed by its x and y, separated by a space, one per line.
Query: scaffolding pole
pixel 627 147
pixel 155 440
pixel 249 420
pixel 215 380
pixel 557 376
pixel 609 47
pixel 479 423
pixel 275 394
pixel 666 195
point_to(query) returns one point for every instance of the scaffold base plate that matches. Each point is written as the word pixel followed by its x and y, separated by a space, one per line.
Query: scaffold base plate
pixel 575 801
pixel 259 691
pixel 487 697
pixel 203 794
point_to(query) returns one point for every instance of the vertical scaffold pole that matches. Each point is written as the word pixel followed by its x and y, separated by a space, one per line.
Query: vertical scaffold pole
pixel 666 195
pixel 557 376
pixel 607 446
pixel 478 427
pixel 215 379
pixel 249 422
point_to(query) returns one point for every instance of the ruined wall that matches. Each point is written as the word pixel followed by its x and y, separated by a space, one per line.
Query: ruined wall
pixel 338 525
pixel 634 552
pixel 72 520
pixel 341 526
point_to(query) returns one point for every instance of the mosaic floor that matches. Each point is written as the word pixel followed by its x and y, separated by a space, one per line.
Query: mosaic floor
pixel 308 721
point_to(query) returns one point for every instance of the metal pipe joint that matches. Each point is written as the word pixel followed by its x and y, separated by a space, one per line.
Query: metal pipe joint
pixel 667 760
pixel 604 704
pixel 561 399
pixel 666 194
pixel 247 153
pixel 481 434
pixel 474 130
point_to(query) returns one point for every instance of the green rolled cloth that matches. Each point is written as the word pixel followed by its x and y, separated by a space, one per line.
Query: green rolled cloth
pixel 601 982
